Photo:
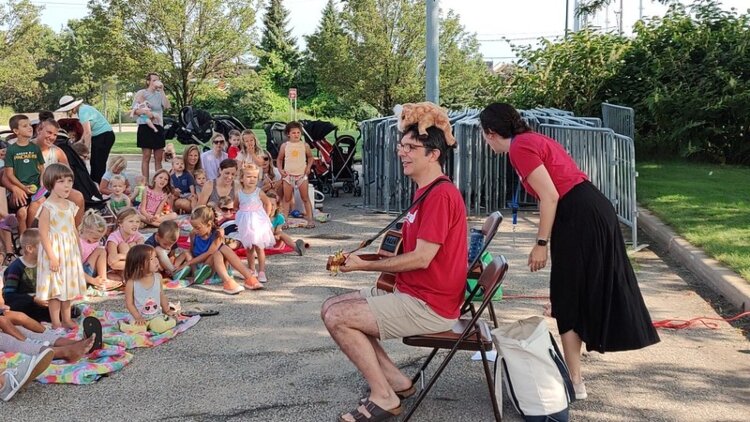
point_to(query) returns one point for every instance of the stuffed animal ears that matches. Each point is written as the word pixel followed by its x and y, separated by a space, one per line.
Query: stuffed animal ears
pixel 397 111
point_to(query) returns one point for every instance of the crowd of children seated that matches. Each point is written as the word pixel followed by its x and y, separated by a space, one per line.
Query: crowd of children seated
pixel 68 251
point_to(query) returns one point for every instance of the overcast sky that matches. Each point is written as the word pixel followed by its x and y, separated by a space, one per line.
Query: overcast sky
pixel 521 21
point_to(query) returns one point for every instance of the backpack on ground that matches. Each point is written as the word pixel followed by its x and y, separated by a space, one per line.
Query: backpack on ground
pixel 532 368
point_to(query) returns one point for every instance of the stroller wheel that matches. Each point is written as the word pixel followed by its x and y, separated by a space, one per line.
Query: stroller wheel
pixel 357 191
pixel 348 187
pixel 326 189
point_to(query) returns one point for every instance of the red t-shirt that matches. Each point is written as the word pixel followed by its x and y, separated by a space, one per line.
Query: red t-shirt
pixel 232 152
pixel 529 150
pixel 439 218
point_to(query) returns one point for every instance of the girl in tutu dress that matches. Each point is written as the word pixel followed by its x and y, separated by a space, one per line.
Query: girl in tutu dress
pixel 253 224
pixel 60 276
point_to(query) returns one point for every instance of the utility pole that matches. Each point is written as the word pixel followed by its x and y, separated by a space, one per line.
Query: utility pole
pixel 622 28
pixel 567 12
pixel 432 69
pixel 576 17
pixel 640 9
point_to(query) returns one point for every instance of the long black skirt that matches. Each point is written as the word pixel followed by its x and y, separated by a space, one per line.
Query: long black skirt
pixel 593 288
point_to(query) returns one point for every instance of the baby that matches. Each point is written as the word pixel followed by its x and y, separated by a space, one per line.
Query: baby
pixel 147 117
pixel 136 197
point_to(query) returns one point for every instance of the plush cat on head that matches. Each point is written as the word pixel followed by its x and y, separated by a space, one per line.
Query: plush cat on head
pixel 424 114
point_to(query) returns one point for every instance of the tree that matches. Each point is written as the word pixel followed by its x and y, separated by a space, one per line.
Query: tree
pixel 374 51
pixel 279 55
pixel 22 45
pixel 189 41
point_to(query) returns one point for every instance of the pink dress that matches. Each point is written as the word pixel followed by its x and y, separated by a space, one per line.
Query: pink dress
pixel 253 224
pixel 153 199
pixel 87 249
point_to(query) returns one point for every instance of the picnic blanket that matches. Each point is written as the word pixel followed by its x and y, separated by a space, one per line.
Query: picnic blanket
pixel 111 358
pixel 280 247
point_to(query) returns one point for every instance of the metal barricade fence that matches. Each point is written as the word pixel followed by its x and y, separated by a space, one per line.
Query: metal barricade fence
pixel 485 179
pixel 619 118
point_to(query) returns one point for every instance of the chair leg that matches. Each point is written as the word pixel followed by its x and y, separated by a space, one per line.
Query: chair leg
pixel 416 376
pixel 434 378
pixel 491 307
pixel 488 376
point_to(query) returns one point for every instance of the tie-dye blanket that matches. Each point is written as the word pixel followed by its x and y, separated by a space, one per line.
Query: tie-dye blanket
pixel 111 358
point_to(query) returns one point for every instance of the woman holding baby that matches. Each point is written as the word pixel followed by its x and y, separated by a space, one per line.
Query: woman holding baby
pixel 149 105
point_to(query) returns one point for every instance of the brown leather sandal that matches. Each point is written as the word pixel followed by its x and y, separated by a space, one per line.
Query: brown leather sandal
pixel 402 395
pixel 376 413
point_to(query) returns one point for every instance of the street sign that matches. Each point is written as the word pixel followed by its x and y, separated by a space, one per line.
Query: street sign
pixel 292 93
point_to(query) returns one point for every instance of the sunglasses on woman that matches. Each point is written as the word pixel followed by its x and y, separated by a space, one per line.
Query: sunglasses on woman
pixel 218 142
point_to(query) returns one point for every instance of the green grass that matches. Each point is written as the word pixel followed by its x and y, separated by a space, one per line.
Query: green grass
pixel 125 142
pixel 709 205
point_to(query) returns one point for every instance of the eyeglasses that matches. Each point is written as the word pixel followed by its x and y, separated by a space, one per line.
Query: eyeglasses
pixel 407 148
pixel 226 209
pixel 266 159
pixel 219 142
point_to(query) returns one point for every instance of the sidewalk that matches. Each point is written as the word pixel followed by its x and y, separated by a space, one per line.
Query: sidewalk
pixel 267 356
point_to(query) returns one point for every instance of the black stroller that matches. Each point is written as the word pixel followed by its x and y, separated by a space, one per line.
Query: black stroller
pixel 195 127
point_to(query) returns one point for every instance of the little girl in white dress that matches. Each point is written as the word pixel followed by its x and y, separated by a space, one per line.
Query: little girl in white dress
pixel 253 224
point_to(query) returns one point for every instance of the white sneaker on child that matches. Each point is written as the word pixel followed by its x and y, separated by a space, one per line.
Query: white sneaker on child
pixel 262 277
pixel 10 385
pixel 580 390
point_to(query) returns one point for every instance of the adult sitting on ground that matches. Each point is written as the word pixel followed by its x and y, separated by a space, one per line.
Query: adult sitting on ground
pixel 223 185
pixel 47 133
pixel 149 140
pixel 97 133
pixel 430 280
pixel 192 157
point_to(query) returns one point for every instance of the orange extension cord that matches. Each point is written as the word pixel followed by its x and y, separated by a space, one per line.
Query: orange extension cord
pixel 672 324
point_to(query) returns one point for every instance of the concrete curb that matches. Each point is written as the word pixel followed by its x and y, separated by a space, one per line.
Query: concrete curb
pixel 725 281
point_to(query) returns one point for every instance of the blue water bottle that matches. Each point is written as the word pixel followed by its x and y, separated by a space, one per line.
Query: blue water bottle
pixel 476 241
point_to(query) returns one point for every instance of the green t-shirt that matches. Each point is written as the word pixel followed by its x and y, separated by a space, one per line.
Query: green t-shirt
pixel 25 162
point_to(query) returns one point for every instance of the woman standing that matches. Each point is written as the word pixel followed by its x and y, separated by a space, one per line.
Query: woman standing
pixel 97 133
pixel 593 289
pixel 148 139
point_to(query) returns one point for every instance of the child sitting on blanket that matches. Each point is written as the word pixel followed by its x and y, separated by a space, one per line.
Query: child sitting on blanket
pixel 118 200
pixel 19 333
pixel 164 242
pixel 93 254
pixel 277 221
pixel 19 292
pixel 144 296
pixel 122 238
pixel 206 240
pixel 158 200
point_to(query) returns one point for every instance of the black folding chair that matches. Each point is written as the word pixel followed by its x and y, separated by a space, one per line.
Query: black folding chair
pixel 489 229
pixel 468 334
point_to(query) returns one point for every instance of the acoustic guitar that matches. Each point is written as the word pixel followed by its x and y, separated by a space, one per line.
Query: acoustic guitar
pixel 391 245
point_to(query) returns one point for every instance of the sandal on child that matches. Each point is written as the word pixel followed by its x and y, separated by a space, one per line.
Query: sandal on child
pixel 256 286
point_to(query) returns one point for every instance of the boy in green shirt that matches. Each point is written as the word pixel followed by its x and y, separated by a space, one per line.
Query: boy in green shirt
pixel 23 166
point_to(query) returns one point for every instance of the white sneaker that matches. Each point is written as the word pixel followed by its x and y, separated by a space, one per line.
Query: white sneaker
pixel 580 390
pixel 262 277
pixel 10 385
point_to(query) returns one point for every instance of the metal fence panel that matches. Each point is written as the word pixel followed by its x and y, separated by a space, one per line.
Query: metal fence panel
pixel 619 118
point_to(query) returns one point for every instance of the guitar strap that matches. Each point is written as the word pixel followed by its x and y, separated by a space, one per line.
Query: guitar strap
pixel 368 242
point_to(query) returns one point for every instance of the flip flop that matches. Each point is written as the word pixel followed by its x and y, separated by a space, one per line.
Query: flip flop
pixel 300 246
pixel 91 326
pixel 199 311
pixel 402 395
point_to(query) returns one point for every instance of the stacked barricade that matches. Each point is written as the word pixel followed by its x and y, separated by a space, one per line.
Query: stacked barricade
pixel 486 180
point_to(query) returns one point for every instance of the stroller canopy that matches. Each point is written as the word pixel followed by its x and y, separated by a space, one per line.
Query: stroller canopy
pixel 318 129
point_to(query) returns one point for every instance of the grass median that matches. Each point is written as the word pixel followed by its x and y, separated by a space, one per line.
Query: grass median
pixel 125 142
pixel 709 205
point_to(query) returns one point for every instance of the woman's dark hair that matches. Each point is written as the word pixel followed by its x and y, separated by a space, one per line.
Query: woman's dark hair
pixel 228 163
pixel 434 140
pixel 503 119
pixel 46 115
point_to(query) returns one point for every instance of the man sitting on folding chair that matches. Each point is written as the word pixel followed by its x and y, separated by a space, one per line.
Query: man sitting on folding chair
pixel 430 280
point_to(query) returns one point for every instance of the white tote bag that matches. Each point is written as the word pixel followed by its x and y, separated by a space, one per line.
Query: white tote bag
pixel 533 371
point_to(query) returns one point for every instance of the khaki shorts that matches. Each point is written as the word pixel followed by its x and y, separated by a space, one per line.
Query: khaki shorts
pixel 400 315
